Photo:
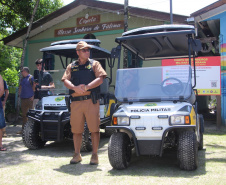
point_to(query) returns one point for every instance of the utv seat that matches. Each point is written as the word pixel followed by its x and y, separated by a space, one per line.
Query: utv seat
pixel 192 98
pixel 104 91
pixel 151 90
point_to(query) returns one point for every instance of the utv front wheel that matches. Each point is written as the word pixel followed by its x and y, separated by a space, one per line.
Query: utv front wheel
pixel 86 140
pixel 187 151
pixel 119 150
pixel 31 135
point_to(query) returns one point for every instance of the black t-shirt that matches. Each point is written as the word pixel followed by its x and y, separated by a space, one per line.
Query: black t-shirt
pixel 46 80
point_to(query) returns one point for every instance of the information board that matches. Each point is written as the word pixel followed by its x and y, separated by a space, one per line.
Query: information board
pixel 208 73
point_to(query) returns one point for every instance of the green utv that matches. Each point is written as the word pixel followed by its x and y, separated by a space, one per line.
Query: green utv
pixel 50 119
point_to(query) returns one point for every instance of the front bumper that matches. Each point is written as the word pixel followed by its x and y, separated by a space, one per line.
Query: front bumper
pixel 150 146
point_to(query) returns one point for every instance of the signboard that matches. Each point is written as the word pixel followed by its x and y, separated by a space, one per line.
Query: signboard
pixel 208 73
pixel 87 21
pixel 89 29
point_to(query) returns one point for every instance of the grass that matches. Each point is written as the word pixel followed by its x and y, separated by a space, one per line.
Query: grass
pixel 50 165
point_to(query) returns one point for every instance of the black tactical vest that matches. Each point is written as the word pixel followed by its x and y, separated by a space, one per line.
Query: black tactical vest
pixel 83 74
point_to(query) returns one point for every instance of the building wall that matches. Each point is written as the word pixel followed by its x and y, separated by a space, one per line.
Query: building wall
pixel 222 38
pixel 107 38
pixel 223 64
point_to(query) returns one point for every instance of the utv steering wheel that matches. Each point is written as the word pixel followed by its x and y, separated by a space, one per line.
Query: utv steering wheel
pixel 172 88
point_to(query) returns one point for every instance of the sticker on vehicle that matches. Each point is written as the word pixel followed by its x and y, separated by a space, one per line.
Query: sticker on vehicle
pixel 58 99
pixel 150 104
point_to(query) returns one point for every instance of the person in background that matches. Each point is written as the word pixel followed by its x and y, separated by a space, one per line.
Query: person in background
pixel 2 118
pixel 26 92
pixel 46 82
pixel 4 99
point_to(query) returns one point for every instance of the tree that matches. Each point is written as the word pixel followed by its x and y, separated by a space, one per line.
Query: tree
pixel 16 14
pixel 9 63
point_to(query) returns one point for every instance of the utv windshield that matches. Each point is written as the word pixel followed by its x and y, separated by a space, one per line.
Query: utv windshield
pixel 165 83
pixel 49 76
pixel 66 50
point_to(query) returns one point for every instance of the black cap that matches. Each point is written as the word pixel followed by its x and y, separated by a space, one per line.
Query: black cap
pixel 38 61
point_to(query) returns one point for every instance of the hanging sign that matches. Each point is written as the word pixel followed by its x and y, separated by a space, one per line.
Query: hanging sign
pixel 208 73
pixel 94 19
pixel 89 29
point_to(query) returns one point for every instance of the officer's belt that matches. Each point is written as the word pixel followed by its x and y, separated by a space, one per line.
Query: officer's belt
pixel 80 98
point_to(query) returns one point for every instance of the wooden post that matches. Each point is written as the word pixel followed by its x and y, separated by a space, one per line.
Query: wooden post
pixel 23 55
pixel 125 52
pixel 171 12
pixel 218 111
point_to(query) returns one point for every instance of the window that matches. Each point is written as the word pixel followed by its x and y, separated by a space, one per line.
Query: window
pixel 49 61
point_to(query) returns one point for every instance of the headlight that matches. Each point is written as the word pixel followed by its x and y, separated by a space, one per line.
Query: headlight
pixel 179 120
pixel 121 120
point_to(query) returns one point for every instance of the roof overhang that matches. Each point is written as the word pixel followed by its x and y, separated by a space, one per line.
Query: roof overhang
pixel 208 26
pixel 39 26
pixel 77 6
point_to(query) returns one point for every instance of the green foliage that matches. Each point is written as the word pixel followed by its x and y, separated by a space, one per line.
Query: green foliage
pixel 213 103
pixel 9 63
pixel 16 14
pixel 11 77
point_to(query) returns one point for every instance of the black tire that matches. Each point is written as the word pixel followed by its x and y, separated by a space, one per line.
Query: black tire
pixel 86 140
pixel 109 132
pixel 200 141
pixel 119 150
pixel 31 135
pixel 187 153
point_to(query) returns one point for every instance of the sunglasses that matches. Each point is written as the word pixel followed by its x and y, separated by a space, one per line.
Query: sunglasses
pixel 85 50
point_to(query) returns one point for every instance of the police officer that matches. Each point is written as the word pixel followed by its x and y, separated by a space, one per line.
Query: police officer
pixel 83 78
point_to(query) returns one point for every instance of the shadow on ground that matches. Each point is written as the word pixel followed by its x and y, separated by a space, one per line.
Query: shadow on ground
pixel 165 166
pixel 160 166
pixel 17 153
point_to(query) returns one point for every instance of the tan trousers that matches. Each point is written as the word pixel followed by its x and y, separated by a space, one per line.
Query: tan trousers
pixel 26 104
pixel 82 111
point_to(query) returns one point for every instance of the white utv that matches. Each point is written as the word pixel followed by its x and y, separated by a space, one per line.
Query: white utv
pixel 158 106
pixel 50 119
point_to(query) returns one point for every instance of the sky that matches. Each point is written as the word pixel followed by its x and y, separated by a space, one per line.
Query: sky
pixel 181 7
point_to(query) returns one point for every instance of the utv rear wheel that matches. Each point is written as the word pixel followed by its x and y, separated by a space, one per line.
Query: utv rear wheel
pixel 86 140
pixel 187 153
pixel 119 150
pixel 31 135
pixel 201 120
pixel 200 141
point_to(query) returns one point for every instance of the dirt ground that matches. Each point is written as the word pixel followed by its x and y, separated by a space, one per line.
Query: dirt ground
pixel 50 165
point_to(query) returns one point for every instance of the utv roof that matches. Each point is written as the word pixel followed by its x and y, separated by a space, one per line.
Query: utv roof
pixel 67 48
pixel 160 41
pixel 94 42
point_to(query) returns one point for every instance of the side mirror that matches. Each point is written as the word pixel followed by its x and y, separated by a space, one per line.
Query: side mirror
pixel 196 45
pixel 115 52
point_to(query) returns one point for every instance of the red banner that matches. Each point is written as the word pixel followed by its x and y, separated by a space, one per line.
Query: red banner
pixel 200 61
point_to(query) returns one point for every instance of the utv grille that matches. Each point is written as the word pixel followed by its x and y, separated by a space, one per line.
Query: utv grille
pixel 55 108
